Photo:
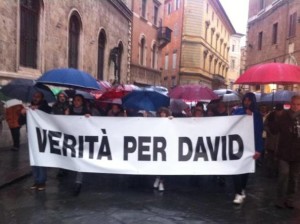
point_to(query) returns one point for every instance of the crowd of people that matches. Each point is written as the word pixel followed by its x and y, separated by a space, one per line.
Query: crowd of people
pixel 276 132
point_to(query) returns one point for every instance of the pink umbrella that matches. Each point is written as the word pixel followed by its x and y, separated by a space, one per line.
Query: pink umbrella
pixel 276 73
pixel 192 93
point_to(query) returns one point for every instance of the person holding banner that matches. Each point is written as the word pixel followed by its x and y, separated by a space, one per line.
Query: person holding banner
pixel 60 107
pixel 39 172
pixel 249 107
pixel 78 107
pixel 159 181
pixel 288 153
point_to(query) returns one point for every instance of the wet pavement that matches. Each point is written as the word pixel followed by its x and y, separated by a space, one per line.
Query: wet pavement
pixel 125 199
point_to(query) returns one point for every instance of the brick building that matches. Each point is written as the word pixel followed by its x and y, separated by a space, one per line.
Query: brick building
pixel 38 35
pixel 199 50
pixel 148 39
pixel 273 34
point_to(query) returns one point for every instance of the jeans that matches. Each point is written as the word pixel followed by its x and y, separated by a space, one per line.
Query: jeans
pixel 287 180
pixel 240 182
pixel 79 178
pixel 39 174
pixel 15 133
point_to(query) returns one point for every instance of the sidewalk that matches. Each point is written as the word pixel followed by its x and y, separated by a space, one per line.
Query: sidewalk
pixel 13 164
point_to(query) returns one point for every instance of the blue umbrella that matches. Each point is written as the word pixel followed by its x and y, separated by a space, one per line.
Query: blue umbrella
pixel 23 89
pixel 145 99
pixel 278 96
pixel 69 77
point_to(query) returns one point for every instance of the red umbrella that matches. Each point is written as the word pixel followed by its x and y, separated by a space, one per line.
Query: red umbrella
pixel 117 92
pixel 276 73
pixel 192 93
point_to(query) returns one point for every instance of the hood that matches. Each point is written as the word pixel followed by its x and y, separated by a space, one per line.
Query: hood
pixel 252 97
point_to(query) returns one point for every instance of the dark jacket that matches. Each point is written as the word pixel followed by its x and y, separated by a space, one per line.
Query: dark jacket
pixel 83 111
pixel 289 139
pixel 257 120
pixel 60 108
pixel 43 106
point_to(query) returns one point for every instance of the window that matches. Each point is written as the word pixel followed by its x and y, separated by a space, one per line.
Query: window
pixel 292 25
pixel 74 35
pixel 232 64
pixel 142 51
pixel 155 15
pixel 233 48
pixel 144 5
pixel 260 40
pixel 261 4
pixel 207 8
pixel 166 61
pixel 101 50
pixel 30 11
pixel 274 33
pixel 154 56
pixel 174 61
pixel 177 4
pixel 173 81
pixel 169 9
pixel 212 16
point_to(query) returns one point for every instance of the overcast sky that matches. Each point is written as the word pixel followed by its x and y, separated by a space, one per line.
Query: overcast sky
pixel 237 11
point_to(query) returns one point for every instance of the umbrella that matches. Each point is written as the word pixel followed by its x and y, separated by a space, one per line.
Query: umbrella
pixel 177 105
pixel 228 95
pixel 145 99
pixel 69 77
pixel 192 93
pixel 160 89
pixel 231 97
pixel 258 96
pixel 12 102
pixel 278 96
pixel 117 92
pixel 23 89
pixel 72 92
pixel 276 73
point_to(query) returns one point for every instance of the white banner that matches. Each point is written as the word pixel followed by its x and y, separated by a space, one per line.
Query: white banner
pixel 138 145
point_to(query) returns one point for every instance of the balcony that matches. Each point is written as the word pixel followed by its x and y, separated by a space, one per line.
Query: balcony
pixel 164 36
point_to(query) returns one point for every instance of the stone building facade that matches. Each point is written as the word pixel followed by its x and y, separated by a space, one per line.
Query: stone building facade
pixel 40 35
pixel 235 54
pixel 273 34
pixel 199 50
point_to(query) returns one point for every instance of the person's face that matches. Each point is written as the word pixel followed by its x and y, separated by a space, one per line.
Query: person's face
pixel 198 113
pixel 115 108
pixel 77 101
pixel 221 108
pixel 62 98
pixel 247 102
pixel 295 105
pixel 37 98
pixel 163 114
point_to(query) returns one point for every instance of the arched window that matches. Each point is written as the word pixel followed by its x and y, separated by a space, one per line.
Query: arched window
pixel 101 50
pixel 30 12
pixel 74 35
pixel 154 56
pixel 120 46
pixel 142 51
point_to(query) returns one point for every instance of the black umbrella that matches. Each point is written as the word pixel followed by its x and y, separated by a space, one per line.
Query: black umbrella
pixel 23 89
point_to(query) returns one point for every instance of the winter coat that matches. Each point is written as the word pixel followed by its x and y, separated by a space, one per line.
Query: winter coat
pixel 12 116
pixel 257 120
pixel 289 136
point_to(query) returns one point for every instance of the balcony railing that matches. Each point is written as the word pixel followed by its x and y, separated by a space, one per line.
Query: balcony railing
pixel 164 36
